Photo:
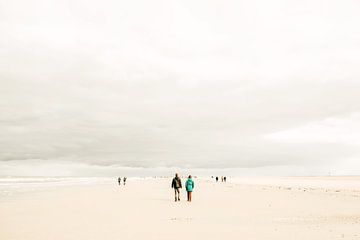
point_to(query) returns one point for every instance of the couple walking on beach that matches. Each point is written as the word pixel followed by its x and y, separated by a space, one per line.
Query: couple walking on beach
pixel 176 185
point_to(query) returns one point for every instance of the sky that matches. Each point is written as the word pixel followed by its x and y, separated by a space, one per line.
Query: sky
pixel 96 87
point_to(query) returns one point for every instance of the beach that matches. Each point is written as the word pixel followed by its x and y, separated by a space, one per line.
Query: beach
pixel 281 208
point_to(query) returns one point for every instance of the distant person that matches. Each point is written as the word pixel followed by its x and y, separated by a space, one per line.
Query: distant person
pixel 119 181
pixel 124 180
pixel 176 185
pixel 224 179
pixel 217 179
pixel 189 185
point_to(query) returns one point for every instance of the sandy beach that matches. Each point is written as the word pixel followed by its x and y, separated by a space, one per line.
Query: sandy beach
pixel 145 209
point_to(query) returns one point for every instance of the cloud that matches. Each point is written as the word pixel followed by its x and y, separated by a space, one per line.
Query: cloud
pixel 174 84
pixel 339 130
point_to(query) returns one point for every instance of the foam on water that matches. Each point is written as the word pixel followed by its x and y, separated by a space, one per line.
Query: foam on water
pixel 13 186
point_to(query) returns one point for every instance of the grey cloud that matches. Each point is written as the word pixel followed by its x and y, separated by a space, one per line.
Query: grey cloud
pixel 175 83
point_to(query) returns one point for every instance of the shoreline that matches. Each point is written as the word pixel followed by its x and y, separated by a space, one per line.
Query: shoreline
pixel 22 185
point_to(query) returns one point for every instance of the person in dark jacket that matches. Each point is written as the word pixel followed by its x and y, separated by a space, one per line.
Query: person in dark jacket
pixel 119 181
pixel 124 180
pixel 176 185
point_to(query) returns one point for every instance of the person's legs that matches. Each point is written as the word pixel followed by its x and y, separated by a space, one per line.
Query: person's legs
pixel 177 194
pixel 189 196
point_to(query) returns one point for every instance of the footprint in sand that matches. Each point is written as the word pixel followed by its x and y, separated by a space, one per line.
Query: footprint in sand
pixel 181 219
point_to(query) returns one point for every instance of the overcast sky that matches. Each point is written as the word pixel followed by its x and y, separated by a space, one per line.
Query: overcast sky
pixel 193 84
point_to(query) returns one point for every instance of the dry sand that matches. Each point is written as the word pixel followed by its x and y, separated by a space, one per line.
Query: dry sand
pixel 144 209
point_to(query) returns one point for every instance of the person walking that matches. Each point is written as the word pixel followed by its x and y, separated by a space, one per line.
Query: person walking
pixel 124 180
pixel 189 185
pixel 119 181
pixel 176 185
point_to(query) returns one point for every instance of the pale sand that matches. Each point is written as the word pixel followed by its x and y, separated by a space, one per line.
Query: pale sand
pixel 144 209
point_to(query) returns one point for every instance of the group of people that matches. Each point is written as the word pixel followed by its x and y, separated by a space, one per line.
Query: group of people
pixel 119 180
pixel 223 179
pixel 177 185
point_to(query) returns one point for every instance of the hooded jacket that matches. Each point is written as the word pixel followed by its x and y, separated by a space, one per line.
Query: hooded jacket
pixel 189 185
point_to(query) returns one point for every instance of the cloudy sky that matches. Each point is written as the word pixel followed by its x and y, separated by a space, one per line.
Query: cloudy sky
pixel 206 84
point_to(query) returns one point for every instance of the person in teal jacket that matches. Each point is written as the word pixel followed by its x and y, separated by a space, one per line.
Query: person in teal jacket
pixel 189 185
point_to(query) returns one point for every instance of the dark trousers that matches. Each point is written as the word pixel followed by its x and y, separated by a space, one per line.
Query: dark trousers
pixel 177 194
